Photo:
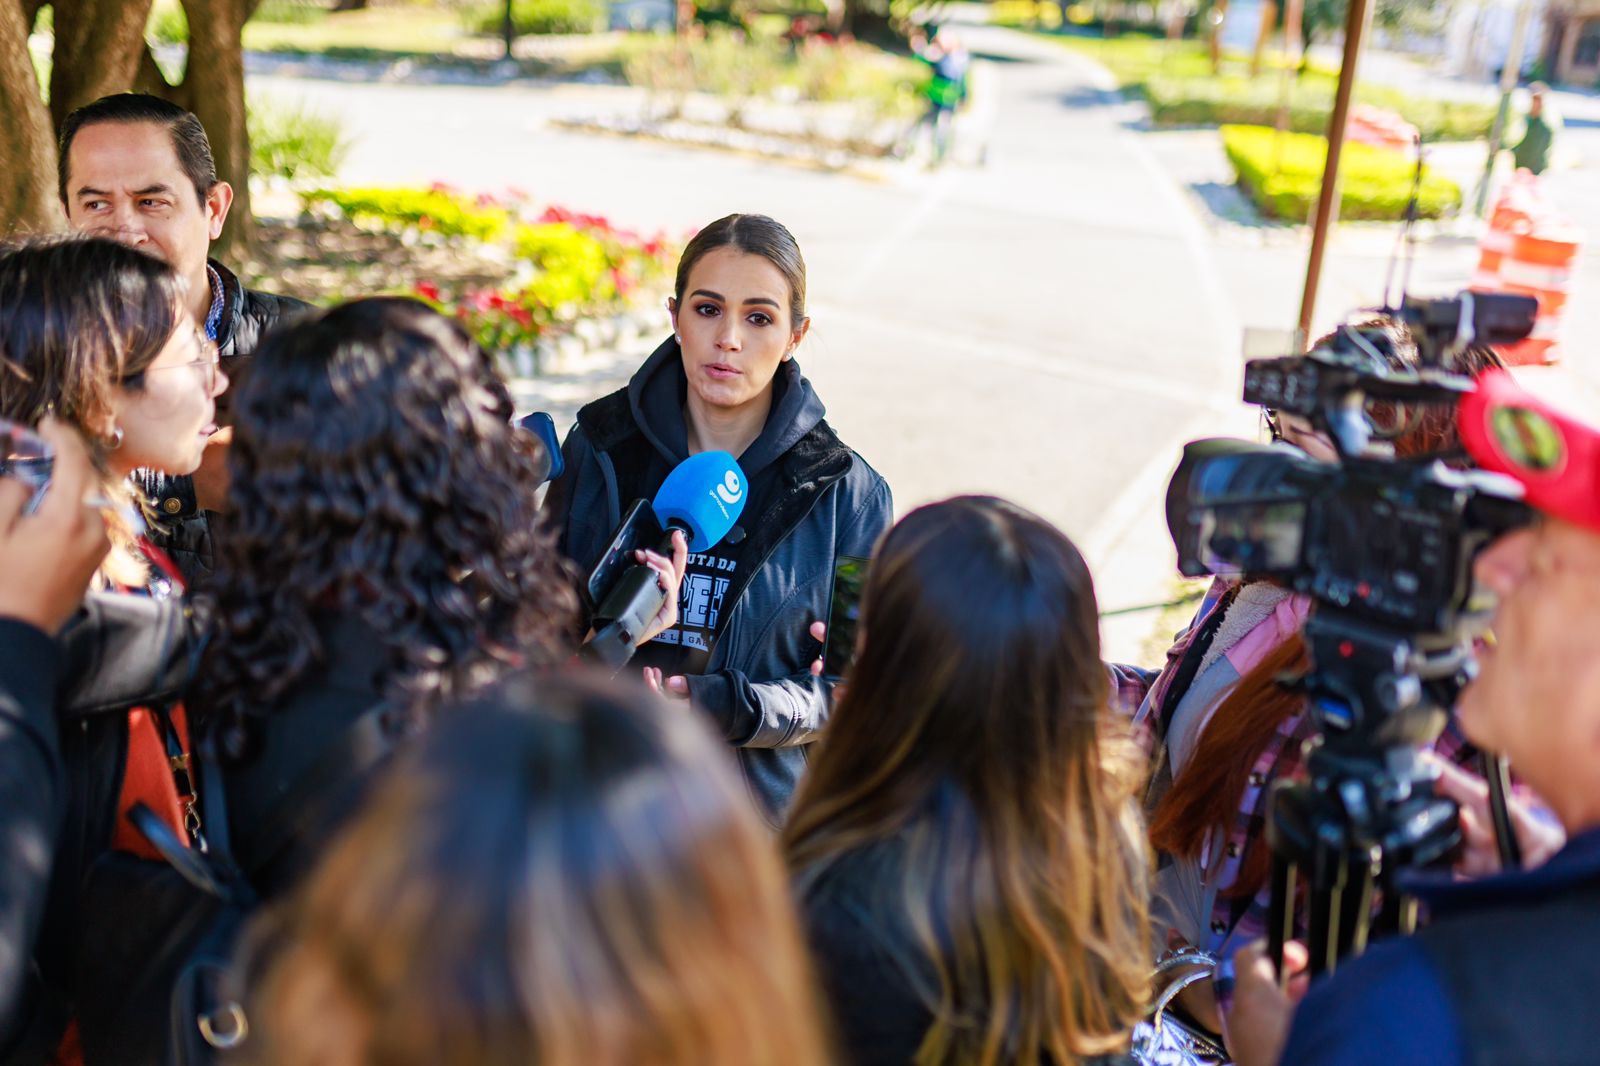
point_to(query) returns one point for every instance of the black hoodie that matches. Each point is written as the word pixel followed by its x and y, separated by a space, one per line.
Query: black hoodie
pixel 818 501
pixel 656 397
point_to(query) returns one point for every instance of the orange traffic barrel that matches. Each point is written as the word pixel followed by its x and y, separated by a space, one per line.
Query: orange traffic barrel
pixel 1540 264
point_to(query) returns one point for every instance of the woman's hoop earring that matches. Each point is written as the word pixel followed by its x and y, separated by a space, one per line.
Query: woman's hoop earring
pixel 116 437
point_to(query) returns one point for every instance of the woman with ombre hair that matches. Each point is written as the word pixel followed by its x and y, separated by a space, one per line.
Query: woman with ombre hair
pixel 566 873
pixel 967 847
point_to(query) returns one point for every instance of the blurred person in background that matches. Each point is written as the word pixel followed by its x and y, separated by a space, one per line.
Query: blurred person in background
pixel 727 381
pixel 967 847
pixel 946 89
pixel 1532 151
pixel 138 169
pixel 567 873
pixel 99 336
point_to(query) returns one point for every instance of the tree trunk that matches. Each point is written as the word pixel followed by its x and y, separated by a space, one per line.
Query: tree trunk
pixel 350 5
pixel 1219 14
pixel 214 83
pixel 97 50
pixel 1269 22
pixel 28 200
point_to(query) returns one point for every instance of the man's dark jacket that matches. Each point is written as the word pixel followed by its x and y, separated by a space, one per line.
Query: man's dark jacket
pixel 185 530
pixel 824 502
pixel 1506 974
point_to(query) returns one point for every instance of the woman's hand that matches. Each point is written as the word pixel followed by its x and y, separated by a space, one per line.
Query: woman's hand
pixel 48 558
pixel 1538 837
pixel 1256 1025
pixel 669 576
pixel 673 688
pixel 677 686
pixel 819 633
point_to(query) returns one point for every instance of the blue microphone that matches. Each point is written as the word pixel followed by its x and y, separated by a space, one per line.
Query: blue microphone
pixel 703 496
pixel 543 426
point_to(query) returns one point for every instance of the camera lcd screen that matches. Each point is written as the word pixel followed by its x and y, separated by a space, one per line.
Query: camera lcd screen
pixel 1255 538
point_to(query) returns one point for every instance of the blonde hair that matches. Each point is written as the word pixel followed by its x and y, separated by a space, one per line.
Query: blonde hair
pixel 563 874
pixel 975 743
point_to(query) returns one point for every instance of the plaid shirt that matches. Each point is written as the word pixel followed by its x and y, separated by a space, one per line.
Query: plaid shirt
pixel 1129 687
pixel 1235 922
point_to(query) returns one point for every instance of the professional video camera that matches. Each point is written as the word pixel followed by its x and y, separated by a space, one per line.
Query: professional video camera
pixel 1384 547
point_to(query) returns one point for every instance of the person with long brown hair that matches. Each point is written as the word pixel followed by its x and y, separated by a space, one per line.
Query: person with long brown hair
pixel 566 873
pixel 967 846
pixel 1224 728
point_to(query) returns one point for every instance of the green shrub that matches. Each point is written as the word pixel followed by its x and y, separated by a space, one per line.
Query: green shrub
pixel 437 210
pixel 1284 177
pixel 291 12
pixel 1176 79
pixel 293 141
pixel 737 66
pixel 1235 100
pixel 539 16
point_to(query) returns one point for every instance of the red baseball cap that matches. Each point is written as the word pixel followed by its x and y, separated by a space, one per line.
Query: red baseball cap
pixel 1554 455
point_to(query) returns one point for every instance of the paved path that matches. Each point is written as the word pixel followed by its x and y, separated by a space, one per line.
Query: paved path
pixel 1047 327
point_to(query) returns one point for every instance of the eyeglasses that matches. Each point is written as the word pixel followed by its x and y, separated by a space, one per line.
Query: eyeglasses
pixel 210 358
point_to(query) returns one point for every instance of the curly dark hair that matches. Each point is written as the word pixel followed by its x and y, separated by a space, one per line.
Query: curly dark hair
pixel 376 474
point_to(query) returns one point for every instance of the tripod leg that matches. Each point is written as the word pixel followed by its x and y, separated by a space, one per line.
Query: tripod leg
pixel 1498 774
pixel 1323 937
pixel 1356 910
pixel 1280 910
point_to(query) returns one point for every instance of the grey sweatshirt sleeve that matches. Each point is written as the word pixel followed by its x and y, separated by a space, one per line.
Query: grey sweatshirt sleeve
pixel 792 709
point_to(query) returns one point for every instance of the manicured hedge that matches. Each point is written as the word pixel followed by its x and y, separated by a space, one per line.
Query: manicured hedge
pixel 1228 99
pixel 1284 180
pixel 1176 79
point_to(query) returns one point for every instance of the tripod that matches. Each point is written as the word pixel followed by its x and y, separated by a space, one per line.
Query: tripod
pixel 1368 810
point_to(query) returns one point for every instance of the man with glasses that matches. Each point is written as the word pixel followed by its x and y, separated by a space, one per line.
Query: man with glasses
pixel 1506 971
pixel 139 170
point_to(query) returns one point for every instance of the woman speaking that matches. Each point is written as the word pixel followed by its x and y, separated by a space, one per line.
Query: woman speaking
pixel 727 381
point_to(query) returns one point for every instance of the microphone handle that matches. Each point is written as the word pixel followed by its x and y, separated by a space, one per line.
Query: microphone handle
pixel 627 611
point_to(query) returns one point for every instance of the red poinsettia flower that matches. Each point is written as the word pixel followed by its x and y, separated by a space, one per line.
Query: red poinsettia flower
pixel 428 291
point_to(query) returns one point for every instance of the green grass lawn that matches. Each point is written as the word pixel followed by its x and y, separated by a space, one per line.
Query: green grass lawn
pixel 1175 78
pixel 410 30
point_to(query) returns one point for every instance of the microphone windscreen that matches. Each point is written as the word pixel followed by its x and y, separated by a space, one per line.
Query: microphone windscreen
pixel 705 494
pixel 543 426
